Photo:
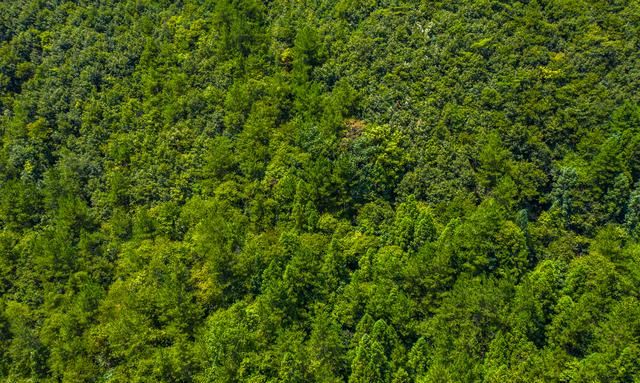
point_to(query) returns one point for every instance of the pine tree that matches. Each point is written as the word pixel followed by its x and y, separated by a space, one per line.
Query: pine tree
pixel 370 364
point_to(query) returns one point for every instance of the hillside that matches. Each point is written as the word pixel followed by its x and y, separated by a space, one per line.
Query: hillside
pixel 358 191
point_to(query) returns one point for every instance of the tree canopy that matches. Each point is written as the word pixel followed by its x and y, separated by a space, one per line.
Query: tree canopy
pixel 324 191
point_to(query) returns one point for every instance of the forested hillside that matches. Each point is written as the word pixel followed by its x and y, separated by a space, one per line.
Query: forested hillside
pixel 358 191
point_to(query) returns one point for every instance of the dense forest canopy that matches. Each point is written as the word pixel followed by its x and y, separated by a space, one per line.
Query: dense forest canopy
pixel 358 191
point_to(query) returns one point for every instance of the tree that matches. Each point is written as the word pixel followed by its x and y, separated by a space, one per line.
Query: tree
pixel 370 363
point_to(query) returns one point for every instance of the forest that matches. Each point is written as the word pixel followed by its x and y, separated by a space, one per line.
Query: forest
pixel 289 191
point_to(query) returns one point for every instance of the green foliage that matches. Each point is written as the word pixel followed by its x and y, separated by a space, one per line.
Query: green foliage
pixel 319 191
pixel 370 363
